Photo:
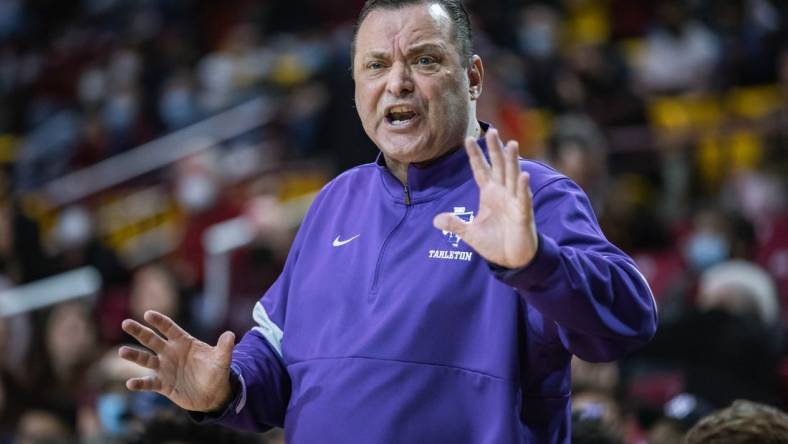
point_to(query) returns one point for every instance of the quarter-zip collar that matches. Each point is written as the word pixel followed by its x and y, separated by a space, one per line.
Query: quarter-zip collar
pixel 432 181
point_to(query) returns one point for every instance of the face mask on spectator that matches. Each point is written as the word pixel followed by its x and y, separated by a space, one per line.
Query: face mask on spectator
pixel 537 41
pixel 705 249
pixel 196 192
pixel 74 228
pixel 112 412
pixel 177 107
pixel 120 112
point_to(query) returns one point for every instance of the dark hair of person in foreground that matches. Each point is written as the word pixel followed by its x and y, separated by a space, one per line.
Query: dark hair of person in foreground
pixel 744 422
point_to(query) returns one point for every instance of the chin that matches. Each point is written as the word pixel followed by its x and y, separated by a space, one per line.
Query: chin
pixel 407 154
pixel 406 150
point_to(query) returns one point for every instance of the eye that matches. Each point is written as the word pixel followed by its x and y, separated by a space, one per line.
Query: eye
pixel 426 60
pixel 374 66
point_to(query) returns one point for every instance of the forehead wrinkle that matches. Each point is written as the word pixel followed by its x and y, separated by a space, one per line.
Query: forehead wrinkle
pixel 402 32
pixel 427 46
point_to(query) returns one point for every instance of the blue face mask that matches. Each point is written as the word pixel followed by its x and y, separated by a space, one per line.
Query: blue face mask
pixel 706 249
pixel 177 108
pixel 112 413
pixel 119 113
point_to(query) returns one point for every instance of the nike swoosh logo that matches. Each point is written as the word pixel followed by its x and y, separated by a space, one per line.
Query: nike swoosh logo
pixel 339 243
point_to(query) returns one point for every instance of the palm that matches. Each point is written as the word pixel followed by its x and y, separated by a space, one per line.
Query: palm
pixel 191 373
pixel 503 231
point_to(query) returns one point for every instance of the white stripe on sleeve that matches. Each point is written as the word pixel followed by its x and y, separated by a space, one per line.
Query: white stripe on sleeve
pixel 266 327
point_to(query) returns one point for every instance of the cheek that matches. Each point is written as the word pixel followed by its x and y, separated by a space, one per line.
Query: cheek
pixel 366 97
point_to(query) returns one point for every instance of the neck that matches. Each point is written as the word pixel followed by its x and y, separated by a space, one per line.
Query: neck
pixel 400 169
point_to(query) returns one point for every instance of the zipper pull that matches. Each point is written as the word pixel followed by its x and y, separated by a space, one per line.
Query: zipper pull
pixel 407 195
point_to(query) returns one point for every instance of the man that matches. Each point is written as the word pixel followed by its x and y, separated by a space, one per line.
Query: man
pixel 382 328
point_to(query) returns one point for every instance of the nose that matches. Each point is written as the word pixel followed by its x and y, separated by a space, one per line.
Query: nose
pixel 400 81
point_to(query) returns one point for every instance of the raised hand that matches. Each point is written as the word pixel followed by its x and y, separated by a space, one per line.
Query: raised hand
pixel 191 373
pixel 503 231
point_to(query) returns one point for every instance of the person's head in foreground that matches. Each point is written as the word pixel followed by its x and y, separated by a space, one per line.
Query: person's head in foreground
pixel 744 422
pixel 417 80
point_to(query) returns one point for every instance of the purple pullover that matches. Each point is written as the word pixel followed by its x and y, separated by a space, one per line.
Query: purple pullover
pixel 383 329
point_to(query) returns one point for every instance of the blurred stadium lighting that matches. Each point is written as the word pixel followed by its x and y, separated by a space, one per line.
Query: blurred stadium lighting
pixel 75 284
pixel 159 153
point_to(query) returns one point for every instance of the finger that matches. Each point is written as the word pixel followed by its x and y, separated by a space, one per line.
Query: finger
pixel 524 196
pixel 450 222
pixel 164 324
pixel 496 156
pixel 144 384
pixel 479 165
pixel 139 357
pixel 512 152
pixel 225 345
pixel 143 335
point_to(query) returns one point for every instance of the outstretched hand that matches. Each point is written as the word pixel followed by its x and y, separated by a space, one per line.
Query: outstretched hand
pixel 191 373
pixel 503 231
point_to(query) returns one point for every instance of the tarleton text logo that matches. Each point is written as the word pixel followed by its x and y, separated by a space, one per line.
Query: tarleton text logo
pixel 451 255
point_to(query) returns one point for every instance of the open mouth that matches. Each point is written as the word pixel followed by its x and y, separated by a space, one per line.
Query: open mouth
pixel 400 115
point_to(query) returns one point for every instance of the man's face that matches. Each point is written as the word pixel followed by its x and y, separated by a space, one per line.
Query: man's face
pixel 413 94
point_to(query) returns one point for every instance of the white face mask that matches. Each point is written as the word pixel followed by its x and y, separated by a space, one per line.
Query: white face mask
pixel 74 228
pixel 196 192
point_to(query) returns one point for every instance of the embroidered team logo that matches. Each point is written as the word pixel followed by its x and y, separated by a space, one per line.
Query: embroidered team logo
pixel 467 216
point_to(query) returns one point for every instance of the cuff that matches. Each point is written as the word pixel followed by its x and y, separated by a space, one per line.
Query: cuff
pixel 533 274
pixel 237 402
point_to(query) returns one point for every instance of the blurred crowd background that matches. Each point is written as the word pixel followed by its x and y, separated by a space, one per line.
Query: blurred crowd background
pixel 160 154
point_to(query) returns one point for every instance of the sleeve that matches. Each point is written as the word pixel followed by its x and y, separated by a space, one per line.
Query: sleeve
pixel 600 302
pixel 258 375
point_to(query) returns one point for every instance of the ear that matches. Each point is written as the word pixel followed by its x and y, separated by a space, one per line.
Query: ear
pixel 475 77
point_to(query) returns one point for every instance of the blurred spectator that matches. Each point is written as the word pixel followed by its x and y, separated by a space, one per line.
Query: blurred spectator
pixel 45 425
pixel 715 236
pixel 13 397
pixel 71 346
pixel 47 149
pixel 680 52
pixel 589 430
pixel 77 245
pixel 740 288
pixel 748 40
pixel 678 416
pixel 64 347
pixel 153 287
pixel 174 425
pixel 111 413
pixel 22 257
pixel 726 348
pixel 177 102
pixel 198 191
pixel 630 216
pixel 578 150
pixel 744 422
pixel 597 416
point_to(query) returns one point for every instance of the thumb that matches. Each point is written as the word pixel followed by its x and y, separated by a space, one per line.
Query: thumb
pixel 225 345
pixel 450 222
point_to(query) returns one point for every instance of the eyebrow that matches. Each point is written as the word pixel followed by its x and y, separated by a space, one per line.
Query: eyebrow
pixel 415 49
